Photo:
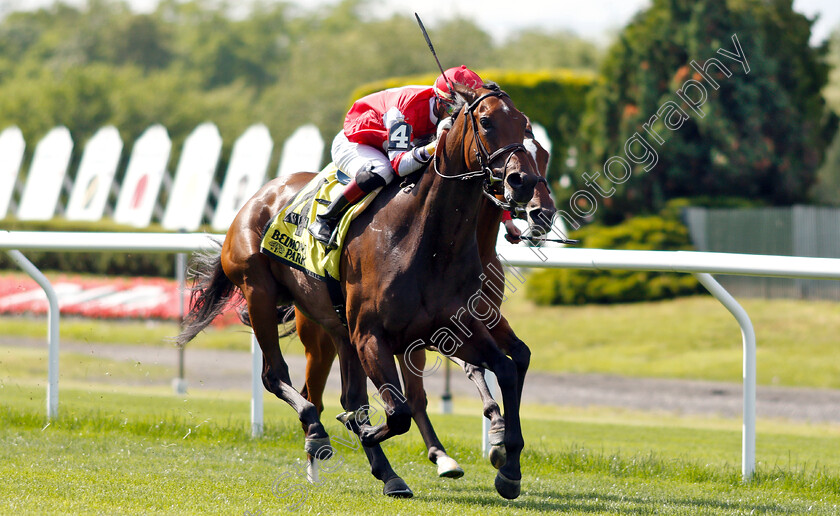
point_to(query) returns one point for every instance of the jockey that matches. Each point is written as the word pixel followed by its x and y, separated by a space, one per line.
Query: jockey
pixel 378 139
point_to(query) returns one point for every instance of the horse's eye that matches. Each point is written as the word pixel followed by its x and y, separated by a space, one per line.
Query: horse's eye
pixel 485 123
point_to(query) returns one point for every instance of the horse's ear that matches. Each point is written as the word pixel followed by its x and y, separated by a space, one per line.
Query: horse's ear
pixel 465 92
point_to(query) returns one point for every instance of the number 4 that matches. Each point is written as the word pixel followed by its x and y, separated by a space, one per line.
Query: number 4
pixel 399 137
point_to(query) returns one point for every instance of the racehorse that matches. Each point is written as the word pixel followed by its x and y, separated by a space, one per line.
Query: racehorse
pixel 411 262
pixel 320 351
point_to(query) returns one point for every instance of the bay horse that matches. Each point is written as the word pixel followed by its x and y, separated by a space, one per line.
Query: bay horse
pixel 410 263
pixel 320 350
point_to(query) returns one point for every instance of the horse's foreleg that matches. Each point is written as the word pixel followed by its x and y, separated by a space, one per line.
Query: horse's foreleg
pixel 355 401
pixel 418 403
pixel 509 343
pixel 378 362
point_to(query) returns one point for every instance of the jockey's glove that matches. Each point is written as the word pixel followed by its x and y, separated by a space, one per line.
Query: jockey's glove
pixel 444 125
pixel 424 154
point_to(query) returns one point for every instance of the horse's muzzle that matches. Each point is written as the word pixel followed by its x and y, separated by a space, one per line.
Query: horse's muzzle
pixel 540 220
pixel 519 188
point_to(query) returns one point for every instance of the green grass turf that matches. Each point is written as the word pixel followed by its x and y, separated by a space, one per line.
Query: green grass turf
pixel 691 337
pixel 124 450
pixel 130 332
pixel 31 364
pixel 694 337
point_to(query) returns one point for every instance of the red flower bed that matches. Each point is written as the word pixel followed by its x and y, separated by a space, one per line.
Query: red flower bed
pixel 100 297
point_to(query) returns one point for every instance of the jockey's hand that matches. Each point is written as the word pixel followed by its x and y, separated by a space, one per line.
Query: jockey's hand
pixel 425 153
pixel 513 234
pixel 443 125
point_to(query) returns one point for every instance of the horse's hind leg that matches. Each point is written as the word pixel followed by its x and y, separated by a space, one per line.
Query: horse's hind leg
pixel 496 434
pixel 483 349
pixel 320 354
pixel 417 401
pixel 262 312
pixel 517 350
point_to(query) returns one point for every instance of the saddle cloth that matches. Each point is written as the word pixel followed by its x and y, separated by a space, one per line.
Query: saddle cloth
pixel 287 239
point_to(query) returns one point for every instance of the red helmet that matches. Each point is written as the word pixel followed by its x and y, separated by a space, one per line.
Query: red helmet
pixel 461 75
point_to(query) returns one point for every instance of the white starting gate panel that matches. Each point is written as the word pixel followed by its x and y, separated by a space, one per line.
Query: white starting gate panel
pixel 11 156
pixel 141 185
pixel 302 151
pixel 245 174
pixel 193 178
pixel 46 175
pixel 95 175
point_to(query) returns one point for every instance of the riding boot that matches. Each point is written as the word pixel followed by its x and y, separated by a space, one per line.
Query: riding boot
pixel 324 225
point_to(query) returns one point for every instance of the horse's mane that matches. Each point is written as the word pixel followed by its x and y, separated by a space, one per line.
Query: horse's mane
pixel 460 101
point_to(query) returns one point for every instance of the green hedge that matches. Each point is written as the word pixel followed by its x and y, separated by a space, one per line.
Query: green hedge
pixel 553 98
pixel 109 263
pixel 577 287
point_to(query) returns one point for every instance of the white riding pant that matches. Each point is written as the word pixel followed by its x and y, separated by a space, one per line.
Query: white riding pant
pixel 352 158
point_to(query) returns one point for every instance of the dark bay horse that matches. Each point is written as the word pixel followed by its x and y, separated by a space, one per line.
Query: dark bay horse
pixel 411 262
pixel 320 350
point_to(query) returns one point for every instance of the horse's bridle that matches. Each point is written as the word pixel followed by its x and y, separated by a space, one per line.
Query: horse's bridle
pixel 492 182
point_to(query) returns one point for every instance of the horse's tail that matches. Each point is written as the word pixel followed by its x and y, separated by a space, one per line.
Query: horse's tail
pixel 210 294
pixel 285 317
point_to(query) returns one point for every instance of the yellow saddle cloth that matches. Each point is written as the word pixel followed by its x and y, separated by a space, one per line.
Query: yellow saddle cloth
pixel 287 238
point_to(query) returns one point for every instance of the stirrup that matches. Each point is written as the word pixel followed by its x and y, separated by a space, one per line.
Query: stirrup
pixel 332 244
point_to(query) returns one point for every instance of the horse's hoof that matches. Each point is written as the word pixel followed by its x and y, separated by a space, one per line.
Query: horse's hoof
pixel 506 487
pixel 318 447
pixel 496 437
pixel 448 468
pixel 397 488
pixel 498 456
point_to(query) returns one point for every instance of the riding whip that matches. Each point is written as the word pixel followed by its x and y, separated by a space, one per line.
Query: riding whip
pixel 434 54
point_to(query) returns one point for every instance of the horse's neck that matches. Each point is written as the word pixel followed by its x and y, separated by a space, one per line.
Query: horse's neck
pixel 449 212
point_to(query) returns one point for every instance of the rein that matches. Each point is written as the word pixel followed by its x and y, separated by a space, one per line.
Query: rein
pixel 486 158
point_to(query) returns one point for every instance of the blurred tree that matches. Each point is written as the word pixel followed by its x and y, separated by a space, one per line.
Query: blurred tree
pixel 826 190
pixel 143 41
pixel 832 89
pixel 457 41
pixel 536 49
pixel 760 135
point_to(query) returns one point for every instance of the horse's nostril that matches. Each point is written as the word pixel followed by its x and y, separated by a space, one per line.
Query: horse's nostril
pixel 541 216
pixel 515 180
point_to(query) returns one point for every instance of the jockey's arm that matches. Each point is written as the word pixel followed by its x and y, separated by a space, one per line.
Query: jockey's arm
pixel 405 163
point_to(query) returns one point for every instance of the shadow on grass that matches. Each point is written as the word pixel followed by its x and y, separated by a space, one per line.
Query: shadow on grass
pixel 551 501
